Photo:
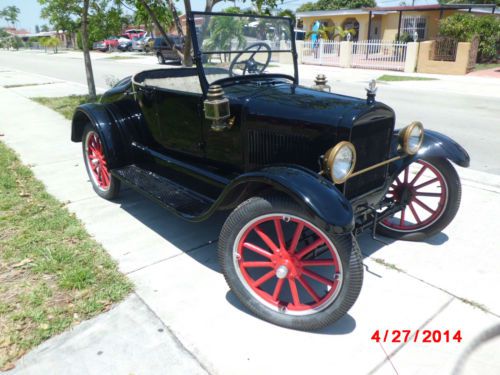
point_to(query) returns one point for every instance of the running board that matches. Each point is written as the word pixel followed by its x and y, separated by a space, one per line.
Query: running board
pixel 173 196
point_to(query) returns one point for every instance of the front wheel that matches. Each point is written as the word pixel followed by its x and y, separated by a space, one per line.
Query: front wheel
pixel 104 183
pixel 429 190
pixel 284 268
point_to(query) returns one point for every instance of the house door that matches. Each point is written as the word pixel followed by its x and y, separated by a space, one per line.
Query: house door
pixel 375 32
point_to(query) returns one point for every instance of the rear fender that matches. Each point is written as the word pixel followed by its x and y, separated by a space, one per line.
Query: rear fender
pixel 315 194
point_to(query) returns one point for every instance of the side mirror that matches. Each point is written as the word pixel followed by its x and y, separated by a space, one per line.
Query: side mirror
pixel 216 107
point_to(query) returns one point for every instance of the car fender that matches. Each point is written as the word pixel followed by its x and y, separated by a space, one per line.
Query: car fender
pixel 319 197
pixel 435 145
pixel 106 125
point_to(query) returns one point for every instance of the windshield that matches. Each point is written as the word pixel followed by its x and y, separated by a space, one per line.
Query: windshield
pixel 236 45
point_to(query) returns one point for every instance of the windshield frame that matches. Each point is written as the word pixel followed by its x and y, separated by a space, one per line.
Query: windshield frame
pixel 198 54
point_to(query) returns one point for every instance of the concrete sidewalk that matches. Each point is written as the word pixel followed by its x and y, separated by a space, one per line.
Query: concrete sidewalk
pixel 436 285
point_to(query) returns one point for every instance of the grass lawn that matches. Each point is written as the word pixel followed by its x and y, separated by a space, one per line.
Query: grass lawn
pixel 65 105
pixel 53 274
pixel 486 66
pixel 391 78
pixel 121 57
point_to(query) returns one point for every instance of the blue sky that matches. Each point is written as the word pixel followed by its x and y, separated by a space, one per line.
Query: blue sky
pixel 30 9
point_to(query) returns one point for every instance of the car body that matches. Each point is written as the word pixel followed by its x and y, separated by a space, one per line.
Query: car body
pixel 134 33
pixel 107 44
pixel 143 43
pixel 164 52
pixel 302 170
pixel 125 45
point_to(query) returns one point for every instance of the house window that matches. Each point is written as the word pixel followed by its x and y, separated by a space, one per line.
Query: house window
pixel 414 23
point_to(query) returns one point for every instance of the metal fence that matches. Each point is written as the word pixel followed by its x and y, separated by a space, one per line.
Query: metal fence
pixel 444 49
pixel 379 54
pixel 322 52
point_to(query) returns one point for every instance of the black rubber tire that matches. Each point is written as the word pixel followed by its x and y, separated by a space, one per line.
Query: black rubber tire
pixel 161 59
pixel 114 186
pixel 452 205
pixel 349 255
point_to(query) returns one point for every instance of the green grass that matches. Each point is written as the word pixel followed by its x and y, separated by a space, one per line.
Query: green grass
pixel 64 105
pixel 53 274
pixel 486 66
pixel 391 78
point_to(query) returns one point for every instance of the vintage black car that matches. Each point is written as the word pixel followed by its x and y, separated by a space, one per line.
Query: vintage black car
pixel 302 170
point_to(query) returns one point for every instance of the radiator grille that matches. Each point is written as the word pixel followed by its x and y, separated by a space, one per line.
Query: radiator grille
pixel 372 142
pixel 266 147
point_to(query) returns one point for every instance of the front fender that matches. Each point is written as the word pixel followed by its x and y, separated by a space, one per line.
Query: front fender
pixel 315 194
pixel 438 145
pixel 105 124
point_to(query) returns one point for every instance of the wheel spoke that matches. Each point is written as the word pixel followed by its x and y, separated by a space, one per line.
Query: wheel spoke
pixel 279 232
pixel 319 278
pixel 398 181
pixel 263 279
pixel 277 289
pixel 266 239
pixel 426 183
pixel 319 262
pixel 105 176
pixel 402 220
pixel 414 212
pixel 295 292
pixel 296 238
pixel 256 264
pixel 256 249
pixel 417 176
pixel 423 205
pixel 310 248
pixel 406 175
pixel 308 288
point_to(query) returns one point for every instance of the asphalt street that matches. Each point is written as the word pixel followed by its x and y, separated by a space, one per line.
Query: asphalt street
pixel 472 120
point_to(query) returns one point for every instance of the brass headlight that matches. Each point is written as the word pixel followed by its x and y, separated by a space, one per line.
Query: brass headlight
pixel 411 137
pixel 340 161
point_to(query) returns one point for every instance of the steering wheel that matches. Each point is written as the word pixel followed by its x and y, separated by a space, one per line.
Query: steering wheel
pixel 250 65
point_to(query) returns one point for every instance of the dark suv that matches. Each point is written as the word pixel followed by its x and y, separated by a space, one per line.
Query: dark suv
pixel 164 52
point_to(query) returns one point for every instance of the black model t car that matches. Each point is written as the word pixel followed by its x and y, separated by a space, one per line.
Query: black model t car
pixel 302 170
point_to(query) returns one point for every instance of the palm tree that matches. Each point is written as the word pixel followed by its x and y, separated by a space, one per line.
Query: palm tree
pixel 331 32
pixel 224 31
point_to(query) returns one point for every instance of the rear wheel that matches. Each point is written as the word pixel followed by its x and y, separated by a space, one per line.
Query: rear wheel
pixel 284 268
pixel 104 183
pixel 430 192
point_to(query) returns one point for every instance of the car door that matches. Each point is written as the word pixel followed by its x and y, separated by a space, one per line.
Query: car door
pixel 179 120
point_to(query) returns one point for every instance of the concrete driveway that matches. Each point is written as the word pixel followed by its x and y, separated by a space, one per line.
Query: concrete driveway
pixel 444 284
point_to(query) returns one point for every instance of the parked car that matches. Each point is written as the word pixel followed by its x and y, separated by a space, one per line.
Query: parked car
pixel 125 45
pixel 134 33
pixel 106 44
pixel 301 170
pixel 163 50
pixel 142 44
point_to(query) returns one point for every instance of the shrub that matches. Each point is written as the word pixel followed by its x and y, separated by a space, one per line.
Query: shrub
pixel 464 27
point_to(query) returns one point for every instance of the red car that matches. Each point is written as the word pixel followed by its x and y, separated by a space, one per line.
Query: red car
pixel 134 33
pixel 106 44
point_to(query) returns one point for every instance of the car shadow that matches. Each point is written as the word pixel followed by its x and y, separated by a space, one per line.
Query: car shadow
pixel 343 326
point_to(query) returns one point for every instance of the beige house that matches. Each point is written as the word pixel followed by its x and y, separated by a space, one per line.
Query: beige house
pixel 388 23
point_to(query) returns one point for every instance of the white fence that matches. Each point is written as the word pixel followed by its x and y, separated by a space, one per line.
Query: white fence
pixel 322 52
pixel 379 54
pixel 368 54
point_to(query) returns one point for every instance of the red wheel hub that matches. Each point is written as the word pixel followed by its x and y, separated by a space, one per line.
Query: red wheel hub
pixel 288 263
pixel 423 192
pixel 96 161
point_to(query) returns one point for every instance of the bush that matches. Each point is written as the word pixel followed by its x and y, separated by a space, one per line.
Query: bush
pixel 464 27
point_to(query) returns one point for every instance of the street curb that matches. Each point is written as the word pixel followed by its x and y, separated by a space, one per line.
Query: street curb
pixel 479 179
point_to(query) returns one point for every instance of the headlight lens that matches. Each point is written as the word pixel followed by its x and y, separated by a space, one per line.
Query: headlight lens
pixel 411 137
pixel 341 160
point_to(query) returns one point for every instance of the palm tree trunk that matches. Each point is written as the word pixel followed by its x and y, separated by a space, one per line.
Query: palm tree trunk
pixel 86 52
pixel 188 61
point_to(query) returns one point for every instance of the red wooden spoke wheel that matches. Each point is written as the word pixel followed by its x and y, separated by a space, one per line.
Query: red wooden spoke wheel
pixel 288 264
pixel 423 191
pixel 96 161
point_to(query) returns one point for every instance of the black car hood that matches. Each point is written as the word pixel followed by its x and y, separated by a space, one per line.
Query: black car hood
pixel 298 104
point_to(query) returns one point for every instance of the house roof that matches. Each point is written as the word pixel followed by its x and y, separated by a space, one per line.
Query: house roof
pixel 475 8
